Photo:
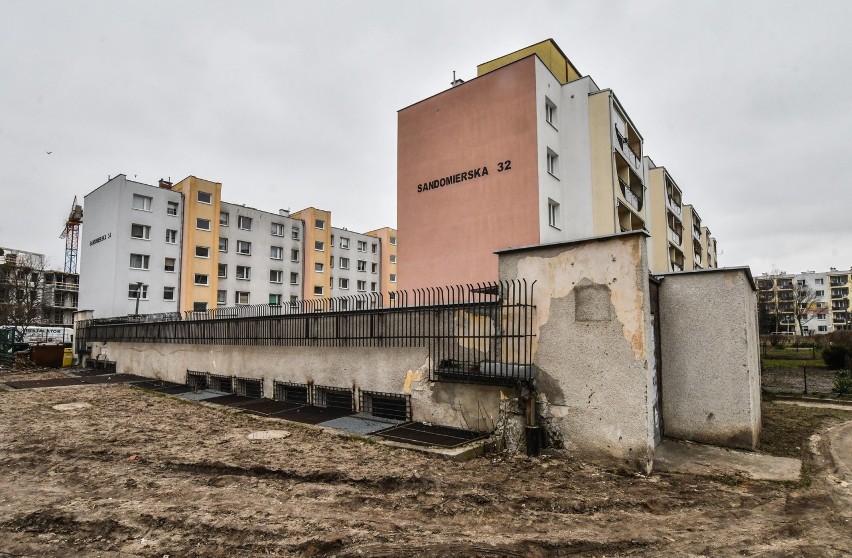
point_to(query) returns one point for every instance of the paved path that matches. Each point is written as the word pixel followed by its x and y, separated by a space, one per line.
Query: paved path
pixel 817 404
pixel 698 459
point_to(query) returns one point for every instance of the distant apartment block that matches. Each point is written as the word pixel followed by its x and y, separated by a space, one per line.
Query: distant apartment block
pixel 180 247
pixel 826 306
pixel 538 153
pixel 54 292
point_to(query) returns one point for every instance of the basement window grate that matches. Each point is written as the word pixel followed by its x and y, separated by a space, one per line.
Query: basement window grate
pixel 332 397
pixel 221 383
pixel 249 387
pixel 291 393
pixel 196 380
pixel 394 406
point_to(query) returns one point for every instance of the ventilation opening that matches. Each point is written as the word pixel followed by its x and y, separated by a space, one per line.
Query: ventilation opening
pixel 221 383
pixel 249 387
pixel 392 406
pixel 291 393
pixel 196 380
pixel 332 397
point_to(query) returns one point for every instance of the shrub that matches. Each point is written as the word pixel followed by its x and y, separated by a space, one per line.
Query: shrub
pixel 842 383
pixel 835 357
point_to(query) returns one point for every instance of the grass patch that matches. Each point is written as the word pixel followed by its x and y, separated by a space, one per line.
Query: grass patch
pixel 791 363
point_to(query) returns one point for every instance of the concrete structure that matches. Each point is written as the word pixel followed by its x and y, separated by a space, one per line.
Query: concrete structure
pixel 710 376
pixel 538 153
pixel 190 250
pixel 822 299
pixel 56 291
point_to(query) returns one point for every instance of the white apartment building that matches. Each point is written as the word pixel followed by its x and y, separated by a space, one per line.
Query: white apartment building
pixel 355 264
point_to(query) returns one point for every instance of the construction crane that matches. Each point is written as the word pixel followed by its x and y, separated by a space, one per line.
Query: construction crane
pixel 71 234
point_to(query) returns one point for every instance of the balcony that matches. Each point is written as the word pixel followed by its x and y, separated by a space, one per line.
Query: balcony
pixel 840 305
pixel 632 199
pixel 839 281
pixel 674 206
pixel 785 285
pixel 626 150
pixel 676 266
pixel 697 260
pixel 840 293
pixel 696 234
pixel 63 286
pixel 764 284
pixel 675 237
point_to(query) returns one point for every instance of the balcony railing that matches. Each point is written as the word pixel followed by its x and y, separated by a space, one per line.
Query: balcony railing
pixel 676 266
pixel 840 305
pixel 676 209
pixel 838 281
pixel 839 293
pixel 696 234
pixel 63 286
pixel 675 237
pixel 631 197
pixel 697 260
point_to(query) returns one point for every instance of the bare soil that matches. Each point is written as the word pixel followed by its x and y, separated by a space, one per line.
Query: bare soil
pixel 139 474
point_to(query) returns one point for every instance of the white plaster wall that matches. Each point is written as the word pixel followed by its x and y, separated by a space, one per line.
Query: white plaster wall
pixel 384 369
pixel 710 357
pixel 577 214
pixel 594 354
pixel 549 136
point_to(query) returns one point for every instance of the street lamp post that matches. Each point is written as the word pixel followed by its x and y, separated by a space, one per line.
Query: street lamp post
pixel 138 295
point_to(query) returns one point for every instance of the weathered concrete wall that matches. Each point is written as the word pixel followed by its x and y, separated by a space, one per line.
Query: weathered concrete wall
pixel 385 369
pixel 710 357
pixel 595 345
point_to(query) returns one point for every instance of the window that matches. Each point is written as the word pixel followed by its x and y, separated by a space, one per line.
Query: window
pixel 801 282
pixel 344 243
pixel 142 203
pixel 318 267
pixel 202 252
pixel 171 208
pixel 276 252
pixel 822 328
pixel 393 277
pixel 550 112
pixel 393 241
pixel 319 224
pixel 138 261
pixel 822 316
pixel 392 296
pixel 819 281
pixel 199 307
pixel 224 217
pixel 393 258
pixel 201 279
pixel 362 245
pixel 294 278
pixel 244 247
pixel 276 276
pixel 221 297
pixel 294 255
pixel 318 290
pixel 374 267
pixel 171 236
pixel 205 197
pixel 244 222
pixel 241 297
pixel 168 293
pixel 223 244
pixel 375 248
pixel 344 263
pixel 202 224
pixel 331 262
pixel 277 229
pixel 319 246
pixel 223 271
pixel 295 233
pixel 362 265
pixel 553 214
pixel 819 293
pixel 140 231
pixel 274 299
pixel 373 287
pixel 243 272
pixel 552 161
pixel 169 265
pixel 343 283
pixel 332 241
pixel 362 286
pixel 135 290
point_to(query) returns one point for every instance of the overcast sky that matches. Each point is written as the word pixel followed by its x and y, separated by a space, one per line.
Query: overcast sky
pixel 293 104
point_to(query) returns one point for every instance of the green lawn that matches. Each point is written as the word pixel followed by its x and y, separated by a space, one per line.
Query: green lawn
pixel 791 363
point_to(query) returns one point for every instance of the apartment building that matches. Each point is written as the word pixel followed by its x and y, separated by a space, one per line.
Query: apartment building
pixel 821 298
pixel 180 247
pixel 538 153
pixel 388 266
pixel 27 280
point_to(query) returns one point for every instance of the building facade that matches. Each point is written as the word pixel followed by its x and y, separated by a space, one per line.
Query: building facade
pixel 528 152
pixel 180 247
pixel 48 297
pixel 821 299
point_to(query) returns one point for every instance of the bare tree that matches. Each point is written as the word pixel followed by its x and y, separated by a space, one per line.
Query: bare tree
pixel 805 306
pixel 22 301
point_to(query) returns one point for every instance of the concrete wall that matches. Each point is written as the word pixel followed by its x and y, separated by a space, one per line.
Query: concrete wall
pixel 385 369
pixel 710 357
pixel 595 345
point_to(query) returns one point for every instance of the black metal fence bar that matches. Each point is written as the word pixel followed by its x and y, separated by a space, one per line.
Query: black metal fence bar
pixel 475 332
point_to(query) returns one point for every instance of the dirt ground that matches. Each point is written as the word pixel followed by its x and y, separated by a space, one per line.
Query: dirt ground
pixel 140 474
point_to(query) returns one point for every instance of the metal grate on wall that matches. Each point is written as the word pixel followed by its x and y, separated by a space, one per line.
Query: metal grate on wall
pixel 249 387
pixel 291 392
pixel 219 382
pixel 332 397
pixel 394 406
pixel 196 380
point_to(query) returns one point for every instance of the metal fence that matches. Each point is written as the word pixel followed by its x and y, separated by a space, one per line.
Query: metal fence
pixel 804 380
pixel 476 332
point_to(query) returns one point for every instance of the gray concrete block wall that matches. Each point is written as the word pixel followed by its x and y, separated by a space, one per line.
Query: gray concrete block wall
pixel 710 357
pixel 594 348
